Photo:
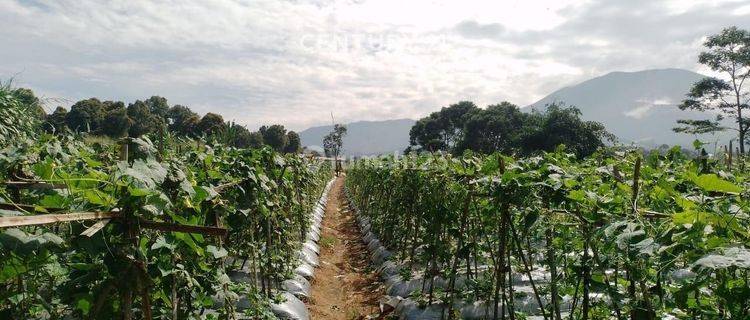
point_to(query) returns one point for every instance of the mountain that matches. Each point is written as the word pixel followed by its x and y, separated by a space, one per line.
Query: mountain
pixel 365 137
pixel 638 107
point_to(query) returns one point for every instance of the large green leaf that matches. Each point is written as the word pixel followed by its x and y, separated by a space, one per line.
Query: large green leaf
pixel 712 182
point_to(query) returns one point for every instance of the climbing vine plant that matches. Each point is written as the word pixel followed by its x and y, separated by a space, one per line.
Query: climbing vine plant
pixel 618 235
pixel 127 270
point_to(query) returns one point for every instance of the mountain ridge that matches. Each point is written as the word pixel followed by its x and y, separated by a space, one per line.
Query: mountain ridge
pixel 365 137
pixel 639 107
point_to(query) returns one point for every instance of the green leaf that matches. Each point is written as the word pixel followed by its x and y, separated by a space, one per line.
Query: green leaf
pixel 84 304
pixel 712 182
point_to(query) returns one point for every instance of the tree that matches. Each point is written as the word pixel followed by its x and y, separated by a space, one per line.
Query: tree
pixel 86 115
pixel 235 135
pixel 211 123
pixel 441 130
pixel 275 136
pixel 294 145
pixel 17 118
pixel 55 122
pixel 561 125
pixel 333 141
pixel 497 128
pixel 116 123
pixel 700 126
pixel 182 120
pixel 28 98
pixel 158 106
pixel 144 122
pixel 727 53
pixel 255 140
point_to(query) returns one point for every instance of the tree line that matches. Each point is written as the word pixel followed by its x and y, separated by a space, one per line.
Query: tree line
pixel 505 128
pixel 154 116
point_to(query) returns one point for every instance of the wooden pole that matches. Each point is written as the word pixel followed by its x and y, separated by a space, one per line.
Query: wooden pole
pixel 124 149
pixel 19 221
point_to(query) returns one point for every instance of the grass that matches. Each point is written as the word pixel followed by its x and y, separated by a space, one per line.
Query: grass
pixel 327 241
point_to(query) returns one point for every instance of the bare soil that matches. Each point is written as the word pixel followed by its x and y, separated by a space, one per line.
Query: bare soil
pixel 344 286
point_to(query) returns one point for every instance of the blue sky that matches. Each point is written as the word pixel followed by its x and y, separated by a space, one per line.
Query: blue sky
pixel 295 62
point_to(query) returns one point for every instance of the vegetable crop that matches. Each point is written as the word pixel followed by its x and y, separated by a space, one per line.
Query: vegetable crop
pixel 614 236
pixel 126 270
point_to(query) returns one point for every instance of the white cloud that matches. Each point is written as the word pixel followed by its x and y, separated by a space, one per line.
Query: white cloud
pixel 646 105
pixel 295 62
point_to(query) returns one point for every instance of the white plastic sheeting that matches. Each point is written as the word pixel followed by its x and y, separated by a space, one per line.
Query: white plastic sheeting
pixel 399 290
pixel 297 289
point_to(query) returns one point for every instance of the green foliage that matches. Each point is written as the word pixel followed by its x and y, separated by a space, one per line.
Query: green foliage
pixel 623 236
pixel 55 122
pixel 142 120
pixel 51 271
pixel 727 53
pixel 503 127
pixel 182 120
pixel 154 117
pixel 294 144
pixel 27 97
pixel 116 123
pixel 562 126
pixel 333 141
pixel 86 115
pixel 158 106
pixel 498 128
pixel 442 130
pixel 211 123
pixel 19 116
pixel 274 136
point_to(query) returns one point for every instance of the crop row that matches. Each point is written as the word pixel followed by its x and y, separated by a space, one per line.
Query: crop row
pixel 178 214
pixel 615 236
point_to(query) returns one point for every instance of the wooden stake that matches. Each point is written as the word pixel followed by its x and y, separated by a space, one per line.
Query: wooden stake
pixel 18 221
pixel 636 178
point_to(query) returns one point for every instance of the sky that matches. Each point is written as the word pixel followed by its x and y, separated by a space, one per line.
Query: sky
pixel 298 62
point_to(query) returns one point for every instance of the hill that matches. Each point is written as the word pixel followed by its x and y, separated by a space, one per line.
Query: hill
pixel 638 107
pixel 365 137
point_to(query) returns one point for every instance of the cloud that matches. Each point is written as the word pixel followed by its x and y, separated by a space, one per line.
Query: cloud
pixel 295 62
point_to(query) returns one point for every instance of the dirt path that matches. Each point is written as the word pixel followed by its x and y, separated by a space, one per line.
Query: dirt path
pixel 344 287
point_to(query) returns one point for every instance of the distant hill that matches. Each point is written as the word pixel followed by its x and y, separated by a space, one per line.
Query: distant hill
pixel 639 107
pixel 365 137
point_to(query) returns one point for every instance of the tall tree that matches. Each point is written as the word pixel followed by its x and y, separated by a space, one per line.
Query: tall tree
pixel 17 118
pixel 275 136
pixel 55 122
pixel 334 140
pixel 442 130
pixel 182 120
pixel 236 135
pixel 727 53
pixel 294 145
pixel 255 140
pixel 497 128
pixel 561 125
pixel 158 106
pixel 28 98
pixel 86 115
pixel 211 123
pixel 332 144
pixel 144 122
pixel 116 122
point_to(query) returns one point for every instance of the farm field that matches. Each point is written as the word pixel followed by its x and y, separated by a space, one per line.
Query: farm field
pixel 375 160
pixel 614 236
pixel 185 231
